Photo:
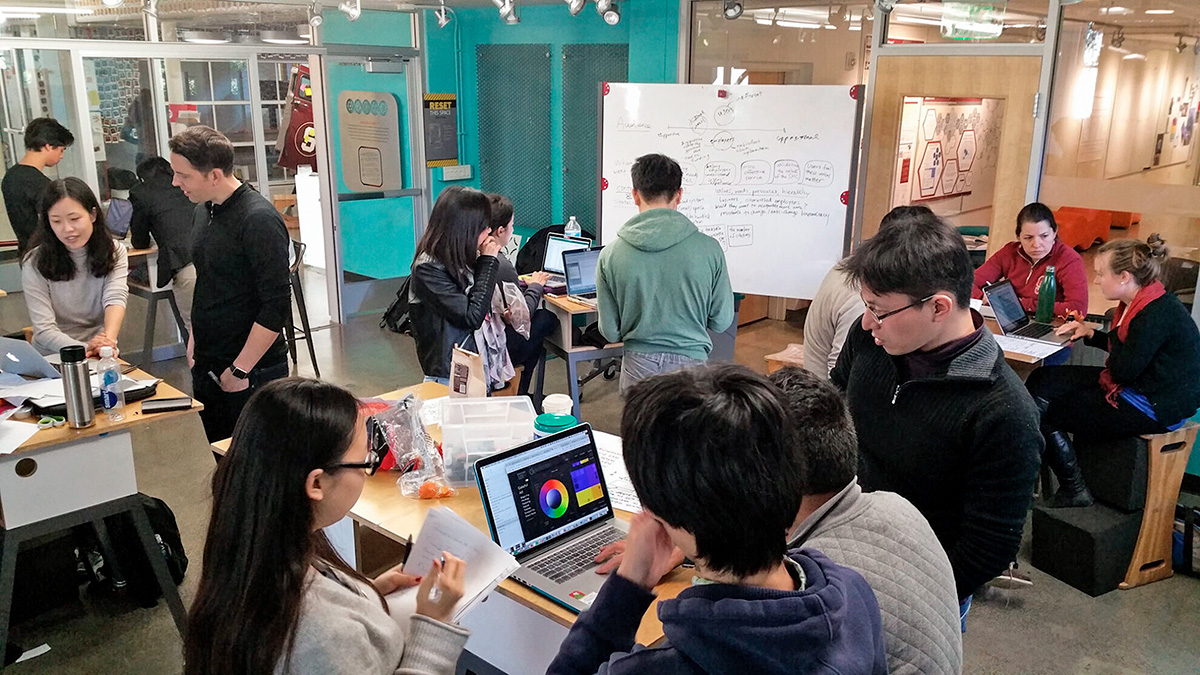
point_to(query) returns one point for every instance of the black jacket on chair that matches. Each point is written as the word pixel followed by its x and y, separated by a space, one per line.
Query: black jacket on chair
pixel 444 312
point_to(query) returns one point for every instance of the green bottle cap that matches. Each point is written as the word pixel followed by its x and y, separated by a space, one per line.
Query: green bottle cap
pixel 552 423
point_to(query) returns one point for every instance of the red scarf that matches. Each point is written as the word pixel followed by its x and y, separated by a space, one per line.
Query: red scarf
pixel 1124 316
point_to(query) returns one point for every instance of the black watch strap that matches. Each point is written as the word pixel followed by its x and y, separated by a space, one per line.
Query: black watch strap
pixel 238 372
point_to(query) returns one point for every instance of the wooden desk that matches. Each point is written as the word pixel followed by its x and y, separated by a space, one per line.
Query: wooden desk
pixel 562 343
pixel 63 477
pixel 131 253
pixel 382 509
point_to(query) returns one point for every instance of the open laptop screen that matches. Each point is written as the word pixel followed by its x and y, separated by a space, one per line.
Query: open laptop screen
pixel 543 490
pixel 581 271
pixel 555 247
pixel 1002 296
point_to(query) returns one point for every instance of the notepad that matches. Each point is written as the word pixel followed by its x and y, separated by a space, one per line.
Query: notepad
pixel 616 476
pixel 445 530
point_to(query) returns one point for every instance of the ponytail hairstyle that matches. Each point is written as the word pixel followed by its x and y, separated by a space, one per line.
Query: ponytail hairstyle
pixel 1143 261
pixel 262 538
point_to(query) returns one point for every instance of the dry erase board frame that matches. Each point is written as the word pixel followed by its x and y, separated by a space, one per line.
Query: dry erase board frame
pixel 769 171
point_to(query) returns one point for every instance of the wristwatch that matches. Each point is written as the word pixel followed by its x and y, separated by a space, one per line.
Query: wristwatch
pixel 238 372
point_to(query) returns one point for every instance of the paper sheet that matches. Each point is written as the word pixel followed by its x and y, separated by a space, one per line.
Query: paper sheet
pixel 431 411
pixel 445 530
pixel 49 392
pixel 612 462
pixel 13 433
pixel 1038 350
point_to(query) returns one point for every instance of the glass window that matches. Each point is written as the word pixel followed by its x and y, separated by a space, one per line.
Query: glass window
pixel 230 81
pixel 234 122
pixel 808 44
pixel 197 85
pixel 957 22
pixel 1121 140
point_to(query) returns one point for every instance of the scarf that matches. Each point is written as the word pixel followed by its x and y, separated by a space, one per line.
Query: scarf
pixel 1146 295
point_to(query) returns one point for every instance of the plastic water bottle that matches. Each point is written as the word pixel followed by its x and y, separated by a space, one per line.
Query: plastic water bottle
pixel 572 229
pixel 112 394
pixel 1047 291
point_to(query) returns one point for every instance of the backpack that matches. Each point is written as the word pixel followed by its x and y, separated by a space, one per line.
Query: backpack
pixel 397 318
pixel 135 566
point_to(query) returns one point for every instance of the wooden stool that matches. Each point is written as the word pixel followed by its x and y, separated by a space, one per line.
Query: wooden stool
pixel 1168 457
pixel 792 356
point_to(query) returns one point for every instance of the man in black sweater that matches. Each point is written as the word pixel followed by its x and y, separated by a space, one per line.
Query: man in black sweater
pixel 941 418
pixel 243 291
pixel 45 142
pixel 162 210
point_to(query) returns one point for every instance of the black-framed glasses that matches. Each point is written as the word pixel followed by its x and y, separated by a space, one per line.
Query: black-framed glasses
pixel 374 459
pixel 880 317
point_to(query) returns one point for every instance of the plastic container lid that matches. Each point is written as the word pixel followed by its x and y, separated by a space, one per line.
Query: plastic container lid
pixel 106 352
pixel 552 423
pixel 72 353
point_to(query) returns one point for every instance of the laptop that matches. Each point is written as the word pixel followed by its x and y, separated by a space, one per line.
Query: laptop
pixel 581 274
pixel 1011 317
pixel 556 245
pixel 18 356
pixel 547 504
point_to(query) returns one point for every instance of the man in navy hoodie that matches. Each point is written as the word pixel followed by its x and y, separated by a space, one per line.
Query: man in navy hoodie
pixel 710 453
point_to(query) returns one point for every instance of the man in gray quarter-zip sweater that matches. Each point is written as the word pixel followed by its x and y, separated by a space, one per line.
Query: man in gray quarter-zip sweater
pixel 941 418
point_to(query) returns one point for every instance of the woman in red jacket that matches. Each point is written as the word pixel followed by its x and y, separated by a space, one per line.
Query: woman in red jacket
pixel 1024 262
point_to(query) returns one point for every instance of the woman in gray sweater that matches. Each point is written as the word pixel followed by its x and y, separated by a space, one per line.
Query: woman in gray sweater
pixel 74 273
pixel 274 596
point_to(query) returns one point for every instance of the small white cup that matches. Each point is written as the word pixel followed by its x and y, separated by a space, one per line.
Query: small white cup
pixel 557 403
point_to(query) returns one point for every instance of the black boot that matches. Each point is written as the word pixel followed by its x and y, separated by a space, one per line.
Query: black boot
pixel 1060 456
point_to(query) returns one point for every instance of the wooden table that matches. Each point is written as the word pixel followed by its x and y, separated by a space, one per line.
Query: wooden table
pixel 562 343
pixel 63 477
pixel 383 510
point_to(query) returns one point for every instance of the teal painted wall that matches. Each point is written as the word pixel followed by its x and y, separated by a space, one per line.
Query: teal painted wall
pixel 378 235
pixel 649 27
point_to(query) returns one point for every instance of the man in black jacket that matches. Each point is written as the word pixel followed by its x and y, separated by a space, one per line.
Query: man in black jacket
pixel 941 418
pixel 162 210
pixel 243 292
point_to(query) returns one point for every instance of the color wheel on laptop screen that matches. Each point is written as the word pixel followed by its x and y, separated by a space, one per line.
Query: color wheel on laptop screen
pixel 553 498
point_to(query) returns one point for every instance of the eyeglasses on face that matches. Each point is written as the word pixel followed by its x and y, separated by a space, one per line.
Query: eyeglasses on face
pixel 880 317
pixel 374 459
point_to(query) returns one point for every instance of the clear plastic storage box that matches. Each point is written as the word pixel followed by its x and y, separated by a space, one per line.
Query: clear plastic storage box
pixel 473 428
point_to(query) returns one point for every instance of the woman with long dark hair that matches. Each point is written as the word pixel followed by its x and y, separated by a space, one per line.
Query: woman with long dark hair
pixel 1150 383
pixel 453 278
pixel 74 273
pixel 274 595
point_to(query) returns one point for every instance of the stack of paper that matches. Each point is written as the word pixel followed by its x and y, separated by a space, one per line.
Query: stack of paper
pixel 616 476
pixel 445 530
pixel 1033 348
pixel 48 392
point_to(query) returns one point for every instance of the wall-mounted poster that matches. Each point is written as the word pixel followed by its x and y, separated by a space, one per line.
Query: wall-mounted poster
pixel 369 131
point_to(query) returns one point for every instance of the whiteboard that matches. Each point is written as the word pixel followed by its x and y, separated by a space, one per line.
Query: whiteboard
pixel 767 172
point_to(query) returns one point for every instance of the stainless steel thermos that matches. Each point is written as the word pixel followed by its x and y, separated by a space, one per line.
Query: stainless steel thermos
pixel 77 387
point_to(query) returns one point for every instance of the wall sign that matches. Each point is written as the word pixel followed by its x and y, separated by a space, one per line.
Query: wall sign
pixel 369 131
pixel 441 130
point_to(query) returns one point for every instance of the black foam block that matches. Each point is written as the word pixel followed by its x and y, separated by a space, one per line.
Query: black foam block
pixel 1088 548
pixel 1114 470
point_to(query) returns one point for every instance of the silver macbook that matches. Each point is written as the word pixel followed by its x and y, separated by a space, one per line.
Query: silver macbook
pixel 547 504
pixel 581 274
pixel 552 261
pixel 1013 320
pixel 18 356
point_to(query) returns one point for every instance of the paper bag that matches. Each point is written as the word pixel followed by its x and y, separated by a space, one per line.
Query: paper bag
pixel 467 376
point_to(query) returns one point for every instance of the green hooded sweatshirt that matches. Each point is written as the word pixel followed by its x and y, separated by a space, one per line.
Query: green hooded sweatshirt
pixel 661 284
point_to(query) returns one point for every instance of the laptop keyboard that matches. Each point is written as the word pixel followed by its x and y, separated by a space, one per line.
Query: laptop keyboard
pixel 1035 330
pixel 569 562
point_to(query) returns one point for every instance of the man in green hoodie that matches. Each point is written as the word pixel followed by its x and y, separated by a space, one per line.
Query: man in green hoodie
pixel 662 284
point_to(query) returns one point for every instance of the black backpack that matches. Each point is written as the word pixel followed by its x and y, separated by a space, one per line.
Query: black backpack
pixel 135 566
pixel 397 318
pixel 533 251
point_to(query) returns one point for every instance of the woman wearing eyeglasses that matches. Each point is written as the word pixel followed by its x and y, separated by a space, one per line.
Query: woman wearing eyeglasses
pixel 274 595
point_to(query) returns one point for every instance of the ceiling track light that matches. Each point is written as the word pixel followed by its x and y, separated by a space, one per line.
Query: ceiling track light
pixel 575 6
pixel 609 11
pixel 1182 45
pixel 112 3
pixel 442 14
pixel 352 10
pixel 1118 38
pixel 314 15
pixel 732 9
pixel 1196 47
pixel 508 11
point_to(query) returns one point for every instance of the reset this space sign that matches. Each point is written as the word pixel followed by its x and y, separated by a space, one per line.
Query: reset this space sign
pixel 369 131
pixel 441 130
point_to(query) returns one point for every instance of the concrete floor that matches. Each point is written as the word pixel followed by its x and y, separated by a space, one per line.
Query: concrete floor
pixel 1049 628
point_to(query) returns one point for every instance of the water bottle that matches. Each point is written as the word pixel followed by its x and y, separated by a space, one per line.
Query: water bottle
pixel 1047 290
pixel 112 394
pixel 77 386
pixel 572 229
